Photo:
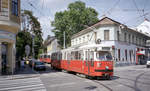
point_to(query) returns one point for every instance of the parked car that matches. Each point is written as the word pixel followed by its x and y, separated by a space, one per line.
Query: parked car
pixel 148 63
pixel 39 65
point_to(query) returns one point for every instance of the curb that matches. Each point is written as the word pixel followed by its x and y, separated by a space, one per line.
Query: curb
pixel 23 77
pixel 20 76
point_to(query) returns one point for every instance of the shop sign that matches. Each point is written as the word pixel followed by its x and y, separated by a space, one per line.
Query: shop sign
pixel 7 35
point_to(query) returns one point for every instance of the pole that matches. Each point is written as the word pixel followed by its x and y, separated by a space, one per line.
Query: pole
pixel 64 40
pixel 32 49
pixel 33 46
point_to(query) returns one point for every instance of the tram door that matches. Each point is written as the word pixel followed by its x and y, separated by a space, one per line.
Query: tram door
pixel 87 62
pixel 68 60
pixel 4 58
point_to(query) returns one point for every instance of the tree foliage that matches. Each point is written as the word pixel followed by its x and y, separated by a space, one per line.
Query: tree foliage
pixel 23 38
pixel 73 20
pixel 30 27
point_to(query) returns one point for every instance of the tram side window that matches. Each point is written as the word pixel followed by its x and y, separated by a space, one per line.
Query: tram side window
pixel 81 55
pixel 65 56
pixel 68 56
pixel 44 56
pixel 60 56
pixel 49 56
pixel 72 56
pixel 76 55
pixel 86 55
pixel 91 55
pixel 52 57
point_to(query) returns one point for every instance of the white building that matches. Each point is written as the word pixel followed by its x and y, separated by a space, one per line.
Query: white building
pixel 144 27
pixel 51 44
pixel 123 42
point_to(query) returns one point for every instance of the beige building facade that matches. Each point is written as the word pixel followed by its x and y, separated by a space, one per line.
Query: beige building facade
pixel 9 27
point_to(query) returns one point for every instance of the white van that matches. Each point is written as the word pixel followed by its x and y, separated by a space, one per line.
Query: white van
pixel 148 63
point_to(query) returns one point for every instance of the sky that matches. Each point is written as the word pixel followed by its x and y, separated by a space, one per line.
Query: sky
pixel 128 12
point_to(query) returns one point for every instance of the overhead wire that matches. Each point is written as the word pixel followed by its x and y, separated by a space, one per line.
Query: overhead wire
pixel 136 7
pixel 40 13
pixel 111 9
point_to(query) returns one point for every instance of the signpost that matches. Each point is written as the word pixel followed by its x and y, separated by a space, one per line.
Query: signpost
pixel 27 50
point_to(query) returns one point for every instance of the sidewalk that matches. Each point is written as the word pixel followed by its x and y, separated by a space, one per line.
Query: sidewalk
pixel 130 67
pixel 21 74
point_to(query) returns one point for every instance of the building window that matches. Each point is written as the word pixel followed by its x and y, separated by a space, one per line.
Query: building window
pixel 72 42
pixel 133 39
pixel 88 38
pixel 143 42
pixel 118 36
pixel 79 40
pixel 129 38
pixel 76 41
pixel 139 41
pixel 15 7
pixel 106 34
pixel 126 55
pixel 83 39
pixel 136 40
pixel 125 37
pixel 119 54
pixel 130 54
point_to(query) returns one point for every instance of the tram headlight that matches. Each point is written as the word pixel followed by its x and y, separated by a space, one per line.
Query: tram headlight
pixel 106 67
pixel 98 64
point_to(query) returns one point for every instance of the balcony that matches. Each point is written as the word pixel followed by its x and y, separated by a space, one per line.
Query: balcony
pixel 4 14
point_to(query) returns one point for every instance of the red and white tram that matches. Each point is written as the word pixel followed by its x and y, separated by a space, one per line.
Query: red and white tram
pixel 46 58
pixel 85 60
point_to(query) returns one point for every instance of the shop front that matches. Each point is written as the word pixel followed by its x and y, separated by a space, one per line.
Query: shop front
pixel 141 57
pixel 7 52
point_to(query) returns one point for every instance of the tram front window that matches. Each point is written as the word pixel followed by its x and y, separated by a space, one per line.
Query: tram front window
pixel 103 56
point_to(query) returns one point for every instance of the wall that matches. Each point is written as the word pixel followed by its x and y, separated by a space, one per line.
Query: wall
pixel 9 27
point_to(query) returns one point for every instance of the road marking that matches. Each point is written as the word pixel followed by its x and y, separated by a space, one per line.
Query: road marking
pixel 28 81
pixel 2 89
pixel 16 84
pixel 15 80
pixel 63 84
pixel 27 89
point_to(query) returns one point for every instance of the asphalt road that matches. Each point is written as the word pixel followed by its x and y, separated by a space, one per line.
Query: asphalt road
pixel 129 78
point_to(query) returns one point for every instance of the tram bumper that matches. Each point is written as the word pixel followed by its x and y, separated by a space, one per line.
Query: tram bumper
pixel 104 73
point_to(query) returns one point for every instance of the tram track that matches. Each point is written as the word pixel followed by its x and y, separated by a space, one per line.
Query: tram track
pixel 95 81
pixel 102 85
pixel 98 82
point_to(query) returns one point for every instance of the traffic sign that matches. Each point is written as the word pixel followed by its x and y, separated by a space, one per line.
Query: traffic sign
pixel 27 50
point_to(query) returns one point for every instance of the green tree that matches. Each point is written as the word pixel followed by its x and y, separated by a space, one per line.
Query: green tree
pixel 23 38
pixel 73 20
pixel 30 26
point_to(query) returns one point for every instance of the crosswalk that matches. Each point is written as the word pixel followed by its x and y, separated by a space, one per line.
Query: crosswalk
pixel 26 84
